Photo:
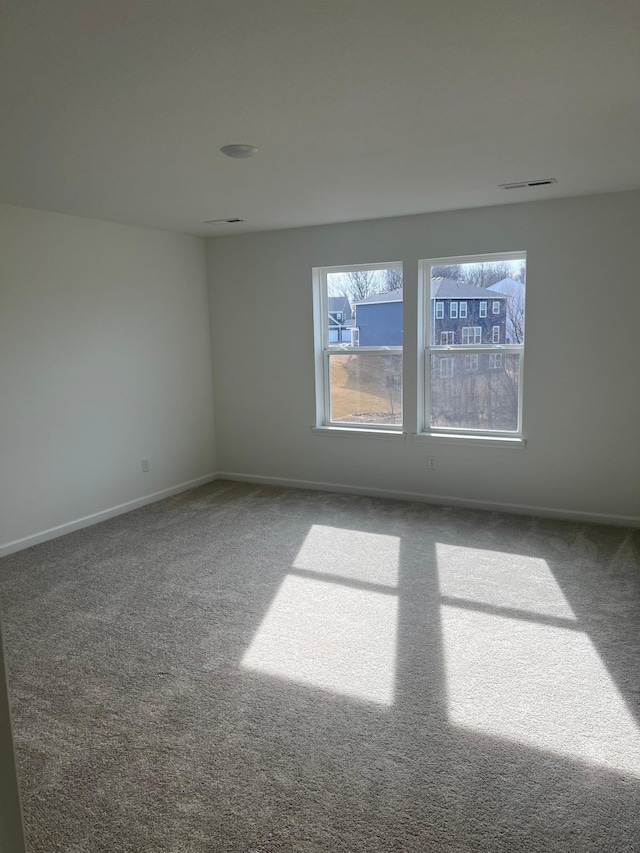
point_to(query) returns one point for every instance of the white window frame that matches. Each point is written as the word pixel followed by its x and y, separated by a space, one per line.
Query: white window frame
pixel 324 349
pixel 495 334
pixel 495 308
pixel 448 364
pixel 453 310
pixel 483 309
pixel 427 349
pixel 463 310
pixel 495 361
pixel 439 310
pixel 449 340
pixel 477 333
pixel 471 363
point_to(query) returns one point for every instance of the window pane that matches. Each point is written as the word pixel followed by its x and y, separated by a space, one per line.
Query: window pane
pixel 366 388
pixel 365 307
pixel 494 288
pixel 477 392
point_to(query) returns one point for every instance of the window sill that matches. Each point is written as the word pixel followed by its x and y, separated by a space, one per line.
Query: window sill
pixel 359 432
pixel 498 441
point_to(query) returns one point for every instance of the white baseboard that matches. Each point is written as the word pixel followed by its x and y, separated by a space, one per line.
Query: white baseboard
pixel 442 500
pixel 103 515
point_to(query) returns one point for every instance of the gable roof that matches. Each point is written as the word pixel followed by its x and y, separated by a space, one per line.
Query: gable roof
pixel 390 296
pixel 447 288
pixel 338 303
pixel 508 286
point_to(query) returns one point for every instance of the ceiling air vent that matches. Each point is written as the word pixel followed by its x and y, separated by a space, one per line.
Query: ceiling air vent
pixel 230 221
pixel 543 182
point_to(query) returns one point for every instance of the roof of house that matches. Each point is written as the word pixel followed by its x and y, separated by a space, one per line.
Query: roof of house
pixel 443 288
pixel 391 296
pixel 338 303
pixel 447 288
pixel 507 284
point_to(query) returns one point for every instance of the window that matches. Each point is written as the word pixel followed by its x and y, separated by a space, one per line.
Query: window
pixel 359 381
pixel 339 315
pixel 471 335
pixel 439 310
pixel 453 310
pixel 477 391
pixel 446 368
pixel 471 363
pixel 446 338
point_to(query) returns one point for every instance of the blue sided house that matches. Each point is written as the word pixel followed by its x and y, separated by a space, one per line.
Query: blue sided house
pixel 379 320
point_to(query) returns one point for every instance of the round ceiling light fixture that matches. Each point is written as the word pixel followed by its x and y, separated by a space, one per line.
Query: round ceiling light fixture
pixel 239 152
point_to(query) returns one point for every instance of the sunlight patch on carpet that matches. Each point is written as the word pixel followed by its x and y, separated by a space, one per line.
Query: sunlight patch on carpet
pixel 329 636
pixel 353 554
pixel 538 685
pixel 502 580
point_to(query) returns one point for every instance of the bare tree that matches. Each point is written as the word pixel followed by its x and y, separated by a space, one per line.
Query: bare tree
pixel 360 284
pixel 515 311
pixel 453 271
pixel 356 285
pixel 393 279
pixel 484 275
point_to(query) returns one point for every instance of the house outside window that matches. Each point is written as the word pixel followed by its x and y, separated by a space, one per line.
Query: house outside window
pixel 479 392
pixel 359 381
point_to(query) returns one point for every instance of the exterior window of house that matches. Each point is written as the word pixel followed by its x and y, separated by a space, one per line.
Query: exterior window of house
pixel 471 363
pixel 446 338
pixel 359 381
pixel 339 315
pixel 446 368
pixel 439 310
pixel 453 310
pixel 478 390
pixel 471 335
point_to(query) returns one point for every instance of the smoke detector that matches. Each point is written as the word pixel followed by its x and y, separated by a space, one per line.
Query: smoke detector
pixel 239 152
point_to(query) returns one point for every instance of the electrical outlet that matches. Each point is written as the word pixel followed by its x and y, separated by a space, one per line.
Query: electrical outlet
pixel 145 465
pixel 431 462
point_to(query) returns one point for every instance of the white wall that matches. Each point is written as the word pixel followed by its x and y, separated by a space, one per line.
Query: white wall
pixel 104 359
pixel 581 385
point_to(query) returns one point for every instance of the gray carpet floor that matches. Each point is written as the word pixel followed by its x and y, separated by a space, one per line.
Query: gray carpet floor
pixel 252 669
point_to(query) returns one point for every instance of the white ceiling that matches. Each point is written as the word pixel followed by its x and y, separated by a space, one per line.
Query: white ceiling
pixel 116 109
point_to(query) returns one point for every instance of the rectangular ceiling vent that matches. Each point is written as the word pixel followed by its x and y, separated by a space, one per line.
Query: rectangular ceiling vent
pixel 543 182
pixel 230 221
